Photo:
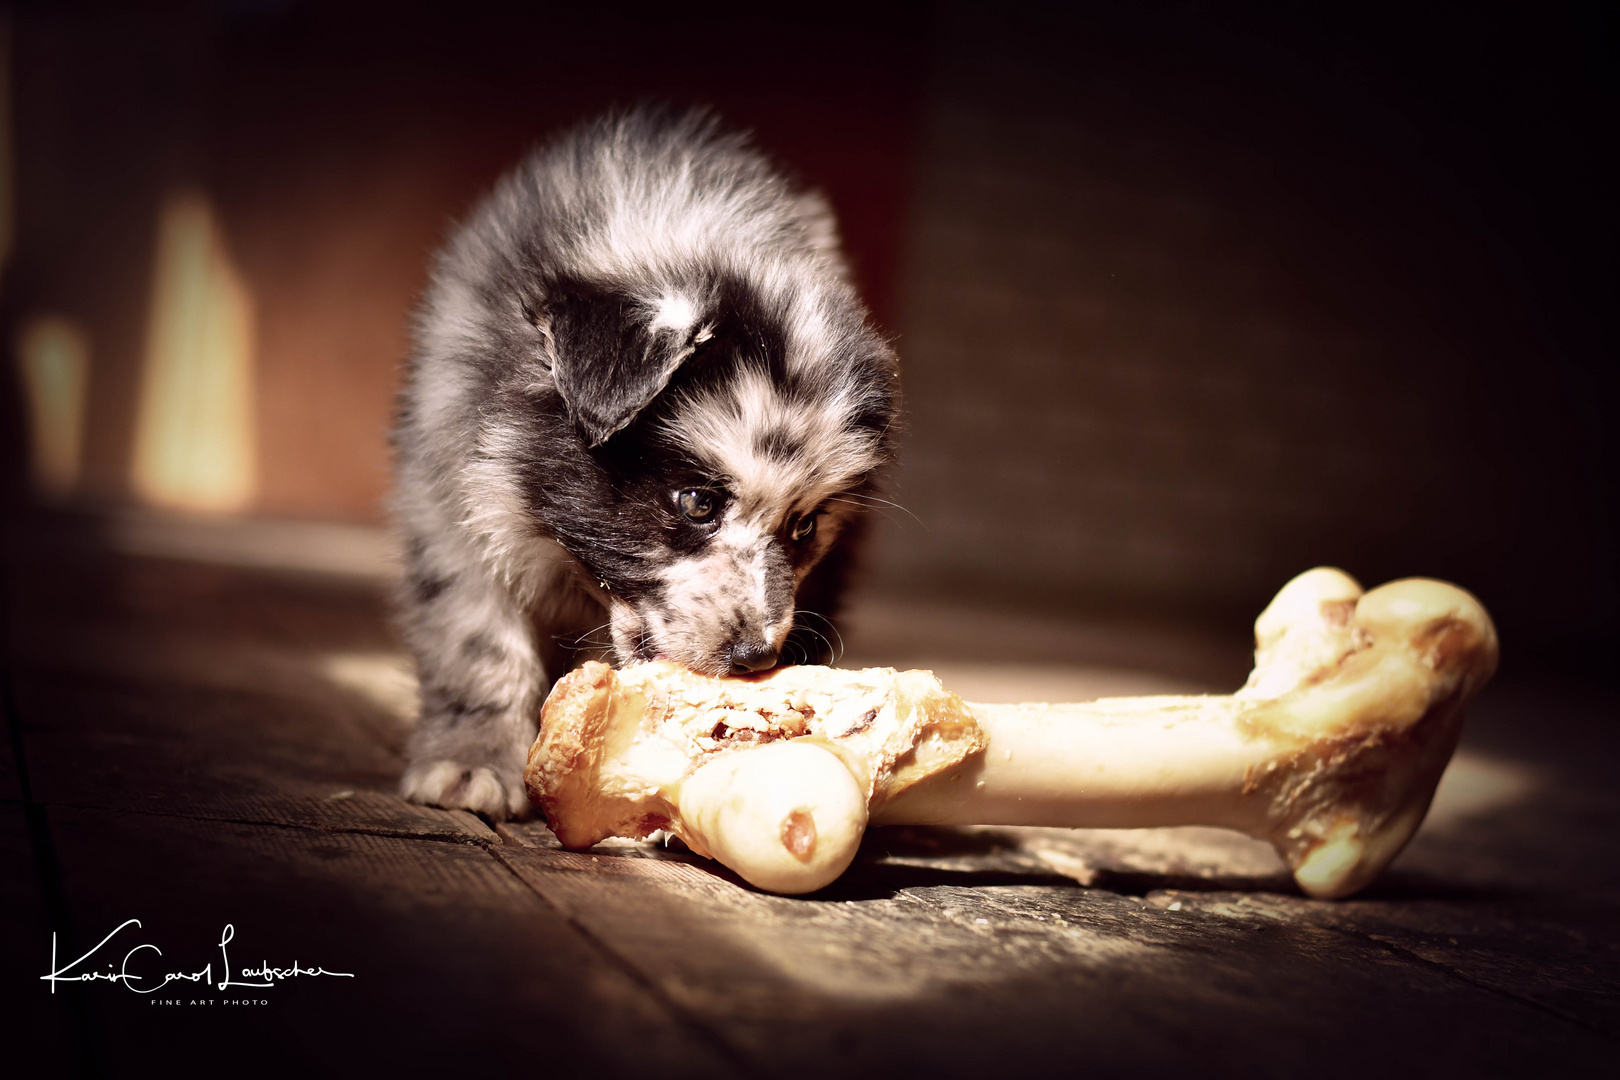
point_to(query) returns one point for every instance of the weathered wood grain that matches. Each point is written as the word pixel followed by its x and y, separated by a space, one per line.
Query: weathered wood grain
pixel 903 968
pixel 455 964
pixel 210 746
pixel 169 748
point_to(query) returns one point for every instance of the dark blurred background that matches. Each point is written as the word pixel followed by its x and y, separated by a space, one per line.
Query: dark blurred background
pixel 1189 297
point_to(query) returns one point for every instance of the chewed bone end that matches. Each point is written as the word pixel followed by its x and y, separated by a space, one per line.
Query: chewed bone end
pixel 1374 723
pixel 788 816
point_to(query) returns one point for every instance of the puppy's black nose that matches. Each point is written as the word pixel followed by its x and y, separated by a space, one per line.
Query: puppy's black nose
pixel 751 656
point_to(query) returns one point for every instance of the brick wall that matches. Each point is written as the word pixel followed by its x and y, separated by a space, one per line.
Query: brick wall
pixel 1174 329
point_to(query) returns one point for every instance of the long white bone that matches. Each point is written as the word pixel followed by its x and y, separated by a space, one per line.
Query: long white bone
pixel 1331 751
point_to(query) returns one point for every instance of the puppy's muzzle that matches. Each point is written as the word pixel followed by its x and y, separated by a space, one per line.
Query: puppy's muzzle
pixel 749 656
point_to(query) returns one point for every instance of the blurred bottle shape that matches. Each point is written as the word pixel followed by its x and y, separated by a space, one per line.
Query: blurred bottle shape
pixel 195 438
pixel 53 361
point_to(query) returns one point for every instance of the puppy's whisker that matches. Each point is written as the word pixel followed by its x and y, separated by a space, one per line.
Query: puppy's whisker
pixel 805 655
pixel 865 509
pixel 586 640
pixel 837 650
pixel 873 501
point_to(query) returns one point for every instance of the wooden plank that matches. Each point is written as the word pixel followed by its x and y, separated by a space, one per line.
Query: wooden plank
pixel 878 974
pixel 73 580
pixel 455 965
pixel 229 755
pixel 1523 898
pixel 201 766
pixel 151 686
pixel 1558 957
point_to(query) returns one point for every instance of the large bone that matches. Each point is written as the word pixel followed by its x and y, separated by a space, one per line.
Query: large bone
pixel 1331 751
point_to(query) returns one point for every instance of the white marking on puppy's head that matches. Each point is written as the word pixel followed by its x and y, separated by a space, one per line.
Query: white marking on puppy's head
pixel 674 312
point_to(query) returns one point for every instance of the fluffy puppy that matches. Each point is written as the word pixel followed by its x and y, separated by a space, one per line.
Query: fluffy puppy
pixel 644 398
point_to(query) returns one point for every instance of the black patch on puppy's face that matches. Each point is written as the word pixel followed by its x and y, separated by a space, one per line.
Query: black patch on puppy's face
pixel 609 359
pixel 698 392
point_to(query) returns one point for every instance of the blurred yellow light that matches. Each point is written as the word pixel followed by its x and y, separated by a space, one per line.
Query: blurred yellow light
pixel 194 426
pixel 53 359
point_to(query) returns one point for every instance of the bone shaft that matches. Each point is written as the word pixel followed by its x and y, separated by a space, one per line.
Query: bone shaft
pixel 1125 763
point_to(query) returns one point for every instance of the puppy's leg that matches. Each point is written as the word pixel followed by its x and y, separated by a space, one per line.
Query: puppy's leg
pixel 482 684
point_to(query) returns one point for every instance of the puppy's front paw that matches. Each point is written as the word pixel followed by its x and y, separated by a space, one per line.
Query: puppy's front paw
pixel 457 787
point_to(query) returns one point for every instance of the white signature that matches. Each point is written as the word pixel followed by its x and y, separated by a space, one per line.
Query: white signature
pixel 131 975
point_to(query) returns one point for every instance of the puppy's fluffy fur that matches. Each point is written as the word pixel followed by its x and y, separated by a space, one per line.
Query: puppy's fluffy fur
pixel 643 398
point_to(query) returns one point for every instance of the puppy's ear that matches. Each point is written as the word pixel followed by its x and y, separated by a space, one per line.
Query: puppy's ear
pixel 612 354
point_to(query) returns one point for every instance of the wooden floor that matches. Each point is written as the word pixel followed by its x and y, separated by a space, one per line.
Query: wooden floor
pixel 197 747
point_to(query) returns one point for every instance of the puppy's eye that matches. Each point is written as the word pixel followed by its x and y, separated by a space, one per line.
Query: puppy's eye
pixel 698 504
pixel 804 528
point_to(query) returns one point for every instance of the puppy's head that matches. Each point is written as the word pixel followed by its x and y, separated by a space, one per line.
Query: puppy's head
pixel 648 341
pixel 726 436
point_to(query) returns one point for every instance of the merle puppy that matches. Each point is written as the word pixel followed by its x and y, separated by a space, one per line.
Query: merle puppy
pixel 643 398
